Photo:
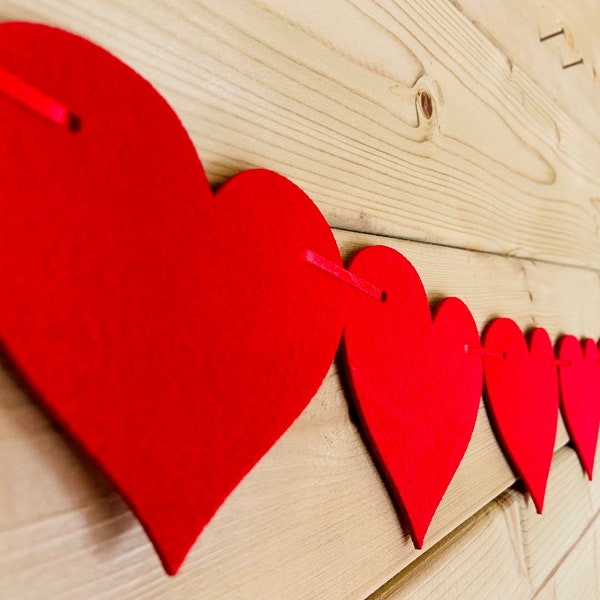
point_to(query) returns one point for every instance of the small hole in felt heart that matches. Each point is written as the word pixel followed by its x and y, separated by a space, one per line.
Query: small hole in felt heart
pixel 384 296
pixel 73 123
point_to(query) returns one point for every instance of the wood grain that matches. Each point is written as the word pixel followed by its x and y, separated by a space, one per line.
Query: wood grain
pixel 576 575
pixel 543 37
pixel 549 537
pixel 330 95
pixel 480 559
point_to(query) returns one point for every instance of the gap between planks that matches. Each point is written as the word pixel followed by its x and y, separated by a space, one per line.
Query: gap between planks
pixel 542 260
pixel 594 521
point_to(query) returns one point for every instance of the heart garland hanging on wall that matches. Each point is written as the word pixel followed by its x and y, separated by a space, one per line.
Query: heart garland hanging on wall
pixel 176 333
pixel 172 332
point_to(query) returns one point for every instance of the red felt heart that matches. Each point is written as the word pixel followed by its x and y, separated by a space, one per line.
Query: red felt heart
pixel 416 389
pixel 174 334
pixel 580 396
pixel 522 397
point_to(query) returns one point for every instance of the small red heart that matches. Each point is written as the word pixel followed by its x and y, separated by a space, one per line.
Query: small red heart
pixel 580 396
pixel 175 334
pixel 416 389
pixel 522 397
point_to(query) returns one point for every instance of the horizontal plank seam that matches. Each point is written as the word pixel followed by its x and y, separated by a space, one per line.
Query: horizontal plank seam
pixel 566 555
pixel 382 588
pixel 478 251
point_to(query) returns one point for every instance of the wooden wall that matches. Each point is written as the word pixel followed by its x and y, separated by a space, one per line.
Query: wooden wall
pixel 493 194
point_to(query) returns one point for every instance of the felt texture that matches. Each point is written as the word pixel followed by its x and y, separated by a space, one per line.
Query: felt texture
pixel 174 334
pixel 580 396
pixel 416 389
pixel 522 399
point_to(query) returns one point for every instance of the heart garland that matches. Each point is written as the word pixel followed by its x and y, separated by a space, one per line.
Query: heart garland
pixel 176 334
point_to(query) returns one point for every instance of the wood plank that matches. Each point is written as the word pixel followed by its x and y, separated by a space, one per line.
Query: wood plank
pixel 576 576
pixel 480 559
pixel 313 519
pixel 329 94
pixel 517 30
pixel 568 511
pixel 36 443
pixel 547 592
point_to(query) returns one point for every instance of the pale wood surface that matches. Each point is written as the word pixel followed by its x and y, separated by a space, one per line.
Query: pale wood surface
pixel 521 24
pixel 567 514
pixel 486 543
pixel 508 551
pixel 576 576
pixel 329 94
pixel 572 573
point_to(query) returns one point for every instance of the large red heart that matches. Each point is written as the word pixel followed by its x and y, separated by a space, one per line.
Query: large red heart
pixel 174 334
pixel 580 396
pixel 416 388
pixel 522 397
